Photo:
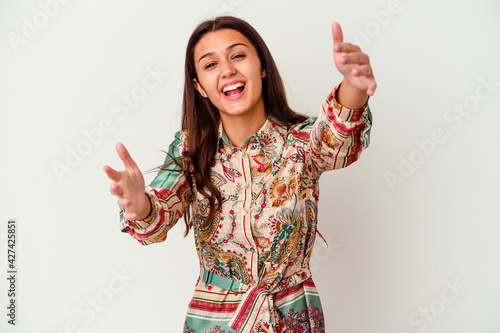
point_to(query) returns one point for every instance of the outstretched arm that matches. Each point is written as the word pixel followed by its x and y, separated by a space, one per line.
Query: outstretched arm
pixel 354 65
pixel 150 212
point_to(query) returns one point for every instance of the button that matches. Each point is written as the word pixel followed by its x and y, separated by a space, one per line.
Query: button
pixel 244 153
pixel 245 185
pixel 245 211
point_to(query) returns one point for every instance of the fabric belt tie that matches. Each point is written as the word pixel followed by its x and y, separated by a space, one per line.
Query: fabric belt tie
pixel 256 309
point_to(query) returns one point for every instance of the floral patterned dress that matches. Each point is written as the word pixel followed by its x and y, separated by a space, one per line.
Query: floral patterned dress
pixel 254 255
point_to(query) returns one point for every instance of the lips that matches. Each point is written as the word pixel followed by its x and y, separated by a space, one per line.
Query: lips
pixel 233 89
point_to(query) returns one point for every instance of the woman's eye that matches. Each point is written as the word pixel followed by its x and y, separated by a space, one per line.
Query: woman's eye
pixel 209 65
pixel 239 56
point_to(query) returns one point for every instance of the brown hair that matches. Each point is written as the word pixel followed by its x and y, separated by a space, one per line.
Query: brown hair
pixel 200 118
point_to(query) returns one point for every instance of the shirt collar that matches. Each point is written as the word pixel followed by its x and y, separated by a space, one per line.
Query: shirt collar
pixel 222 136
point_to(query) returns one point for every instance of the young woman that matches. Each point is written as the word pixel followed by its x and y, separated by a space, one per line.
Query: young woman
pixel 244 172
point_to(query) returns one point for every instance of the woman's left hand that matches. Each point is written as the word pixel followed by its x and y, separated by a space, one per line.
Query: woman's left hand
pixel 352 63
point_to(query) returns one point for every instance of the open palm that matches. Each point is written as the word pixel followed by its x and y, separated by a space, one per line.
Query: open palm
pixel 128 186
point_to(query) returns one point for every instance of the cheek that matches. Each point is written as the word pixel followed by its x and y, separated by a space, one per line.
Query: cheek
pixel 212 87
pixel 258 85
pixel 208 86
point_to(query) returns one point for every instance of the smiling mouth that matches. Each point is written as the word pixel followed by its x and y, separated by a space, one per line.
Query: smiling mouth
pixel 233 89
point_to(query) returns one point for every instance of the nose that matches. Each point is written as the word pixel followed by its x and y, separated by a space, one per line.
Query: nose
pixel 226 68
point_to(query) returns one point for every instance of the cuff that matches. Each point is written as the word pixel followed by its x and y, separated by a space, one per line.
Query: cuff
pixel 337 110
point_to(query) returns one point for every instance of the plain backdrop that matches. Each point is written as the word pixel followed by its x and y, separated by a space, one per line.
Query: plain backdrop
pixel 414 230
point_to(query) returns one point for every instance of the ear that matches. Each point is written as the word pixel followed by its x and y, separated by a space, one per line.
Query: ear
pixel 200 89
pixel 263 74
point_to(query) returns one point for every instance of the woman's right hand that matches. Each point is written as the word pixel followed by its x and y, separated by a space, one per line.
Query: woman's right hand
pixel 128 186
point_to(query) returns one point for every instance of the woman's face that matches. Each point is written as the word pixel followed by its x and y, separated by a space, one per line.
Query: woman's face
pixel 229 74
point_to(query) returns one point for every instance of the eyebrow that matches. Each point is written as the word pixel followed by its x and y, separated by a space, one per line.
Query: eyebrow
pixel 229 48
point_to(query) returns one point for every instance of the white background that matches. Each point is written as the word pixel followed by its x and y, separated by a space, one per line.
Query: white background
pixel 396 249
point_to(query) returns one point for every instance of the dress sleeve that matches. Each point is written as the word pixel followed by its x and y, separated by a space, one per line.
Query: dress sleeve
pixel 169 194
pixel 339 135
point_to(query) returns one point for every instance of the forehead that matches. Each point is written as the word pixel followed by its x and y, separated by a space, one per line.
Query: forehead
pixel 218 42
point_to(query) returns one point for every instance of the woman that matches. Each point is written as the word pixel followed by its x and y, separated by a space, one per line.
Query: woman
pixel 244 172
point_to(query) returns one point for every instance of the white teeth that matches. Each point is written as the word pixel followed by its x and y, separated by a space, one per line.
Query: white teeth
pixel 232 87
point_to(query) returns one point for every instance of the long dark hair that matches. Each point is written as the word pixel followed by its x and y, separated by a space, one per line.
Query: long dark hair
pixel 200 118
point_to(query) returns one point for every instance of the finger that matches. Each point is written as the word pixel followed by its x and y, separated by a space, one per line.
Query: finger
pixel 337 35
pixel 116 189
pixel 347 47
pixel 122 202
pixel 358 58
pixel 130 217
pixel 372 88
pixel 125 156
pixel 112 173
pixel 128 214
pixel 362 70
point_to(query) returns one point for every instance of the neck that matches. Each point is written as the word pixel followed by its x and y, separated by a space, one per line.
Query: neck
pixel 238 129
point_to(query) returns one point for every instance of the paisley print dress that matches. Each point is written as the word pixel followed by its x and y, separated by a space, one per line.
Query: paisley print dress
pixel 254 255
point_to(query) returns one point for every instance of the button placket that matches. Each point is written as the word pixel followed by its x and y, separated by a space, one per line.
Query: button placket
pixel 247 206
pixel 248 175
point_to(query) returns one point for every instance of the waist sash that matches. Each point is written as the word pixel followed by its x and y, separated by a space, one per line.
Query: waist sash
pixel 256 309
